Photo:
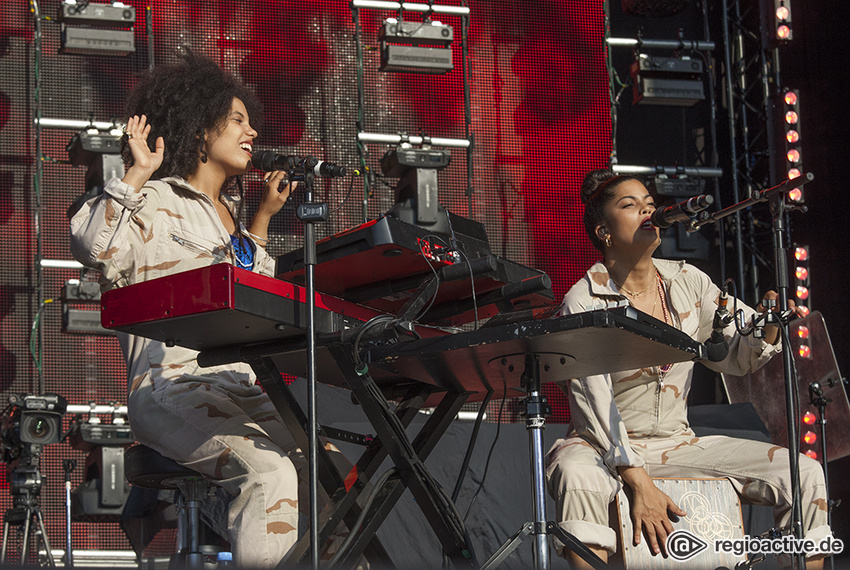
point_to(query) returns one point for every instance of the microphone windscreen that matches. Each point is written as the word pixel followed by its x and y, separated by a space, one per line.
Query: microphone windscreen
pixel 263 160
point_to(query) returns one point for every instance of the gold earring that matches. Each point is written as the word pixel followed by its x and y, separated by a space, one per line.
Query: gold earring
pixel 608 240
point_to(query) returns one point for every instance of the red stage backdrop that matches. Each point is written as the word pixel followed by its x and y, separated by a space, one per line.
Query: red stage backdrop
pixel 540 116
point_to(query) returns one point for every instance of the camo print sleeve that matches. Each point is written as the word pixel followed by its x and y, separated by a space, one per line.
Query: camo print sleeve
pixel 100 229
pixel 746 353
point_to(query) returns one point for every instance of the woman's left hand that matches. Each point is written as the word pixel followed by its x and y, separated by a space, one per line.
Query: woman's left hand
pixel 276 191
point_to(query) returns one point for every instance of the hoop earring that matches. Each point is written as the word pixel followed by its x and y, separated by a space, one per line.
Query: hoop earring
pixel 608 240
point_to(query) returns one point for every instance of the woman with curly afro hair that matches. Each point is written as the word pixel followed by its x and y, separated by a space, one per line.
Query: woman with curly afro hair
pixel 190 133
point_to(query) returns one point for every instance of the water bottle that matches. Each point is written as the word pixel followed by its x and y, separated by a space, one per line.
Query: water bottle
pixel 224 560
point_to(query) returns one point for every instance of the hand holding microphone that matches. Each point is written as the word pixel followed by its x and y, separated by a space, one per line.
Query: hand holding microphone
pixel 269 161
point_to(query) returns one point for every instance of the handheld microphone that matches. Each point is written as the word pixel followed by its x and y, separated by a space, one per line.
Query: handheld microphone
pixel 716 346
pixel 268 161
pixel 681 212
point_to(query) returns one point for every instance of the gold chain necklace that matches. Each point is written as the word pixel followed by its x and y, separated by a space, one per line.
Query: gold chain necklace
pixel 634 294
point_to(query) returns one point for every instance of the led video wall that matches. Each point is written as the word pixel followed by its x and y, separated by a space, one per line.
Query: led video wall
pixel 538 110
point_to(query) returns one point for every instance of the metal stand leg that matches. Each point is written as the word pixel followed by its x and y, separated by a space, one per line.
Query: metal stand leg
pixel 26 515
pixel 535 422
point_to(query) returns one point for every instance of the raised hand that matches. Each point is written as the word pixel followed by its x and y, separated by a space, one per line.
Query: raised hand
pixel 145 160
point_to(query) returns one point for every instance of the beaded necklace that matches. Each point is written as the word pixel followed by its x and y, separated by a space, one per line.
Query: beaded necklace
pixel 665 368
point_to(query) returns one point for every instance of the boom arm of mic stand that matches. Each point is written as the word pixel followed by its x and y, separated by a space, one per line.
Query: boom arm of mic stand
pixel 762 196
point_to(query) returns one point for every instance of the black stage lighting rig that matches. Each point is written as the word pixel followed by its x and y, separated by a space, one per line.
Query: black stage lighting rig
pixel 676 186
pixel 416 47
pixel 81 308
pixel 88 28
pixel 654 8
pixel 100 152
pixel 417 200
pixel 104 491
pixel 672 81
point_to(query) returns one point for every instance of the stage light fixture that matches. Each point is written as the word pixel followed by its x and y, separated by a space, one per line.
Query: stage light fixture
pixel 677 186
pixel 782 11
pixel 809 419
pixel 654 8
pixel 417 200
pixel 88 28
pixel 670 81
pixel 802 284
pixel 812 454
pixel 416 47
pixel 789 110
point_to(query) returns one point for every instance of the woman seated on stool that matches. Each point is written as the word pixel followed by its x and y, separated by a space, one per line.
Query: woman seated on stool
pixel 631 425
pixel 191 131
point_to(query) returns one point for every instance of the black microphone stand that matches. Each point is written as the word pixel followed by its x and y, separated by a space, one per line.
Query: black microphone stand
pixel 310 213
pixel 818 398
pixel 778 209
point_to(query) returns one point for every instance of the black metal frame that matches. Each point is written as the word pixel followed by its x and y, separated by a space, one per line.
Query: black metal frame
pixel 343 506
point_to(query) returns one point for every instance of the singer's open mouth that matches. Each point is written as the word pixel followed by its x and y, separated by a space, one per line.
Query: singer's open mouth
pixel 647 225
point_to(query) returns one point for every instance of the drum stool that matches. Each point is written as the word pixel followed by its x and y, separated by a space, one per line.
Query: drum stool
pixel 148 468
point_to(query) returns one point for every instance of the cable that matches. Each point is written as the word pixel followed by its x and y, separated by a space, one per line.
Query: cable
pixel 346 197
pixel 366 326
pixel 490 453
pixel 469 448
pixel 456 246
pixel 349 540
pixel 35 343
pixel 422 242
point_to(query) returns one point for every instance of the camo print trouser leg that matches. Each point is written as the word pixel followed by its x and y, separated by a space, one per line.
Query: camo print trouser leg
pixel 583 486
pixel 231 433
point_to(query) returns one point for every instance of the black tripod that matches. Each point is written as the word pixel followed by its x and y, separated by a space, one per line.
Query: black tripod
pixel 25 485
pixel 535 422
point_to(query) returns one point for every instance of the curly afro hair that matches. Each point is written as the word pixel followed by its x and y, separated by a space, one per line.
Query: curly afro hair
pixel 184 102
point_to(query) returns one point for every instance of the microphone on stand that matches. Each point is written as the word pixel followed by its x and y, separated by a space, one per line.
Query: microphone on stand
pixel 268 160
pixel 681 212
pixel 716 346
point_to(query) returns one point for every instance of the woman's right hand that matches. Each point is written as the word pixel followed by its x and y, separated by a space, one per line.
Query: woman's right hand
pixel 650 506
pixel 145 161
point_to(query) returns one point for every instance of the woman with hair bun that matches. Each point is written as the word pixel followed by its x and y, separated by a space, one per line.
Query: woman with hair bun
pixel 178 207
pixel 629 426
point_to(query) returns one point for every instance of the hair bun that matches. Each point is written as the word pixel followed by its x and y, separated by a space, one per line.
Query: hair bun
pixel 593 180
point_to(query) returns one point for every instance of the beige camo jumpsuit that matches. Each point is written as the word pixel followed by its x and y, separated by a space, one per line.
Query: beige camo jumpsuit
pixel 213 420
pixel 639 418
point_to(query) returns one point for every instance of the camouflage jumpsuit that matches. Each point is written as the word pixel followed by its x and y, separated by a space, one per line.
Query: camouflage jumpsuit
pixel 639 418
pixel 213 420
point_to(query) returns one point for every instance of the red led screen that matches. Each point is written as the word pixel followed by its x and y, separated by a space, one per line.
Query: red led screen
pixel 539 115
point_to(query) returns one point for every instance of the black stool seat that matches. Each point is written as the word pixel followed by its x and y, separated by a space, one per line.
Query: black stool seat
pixel 146 467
